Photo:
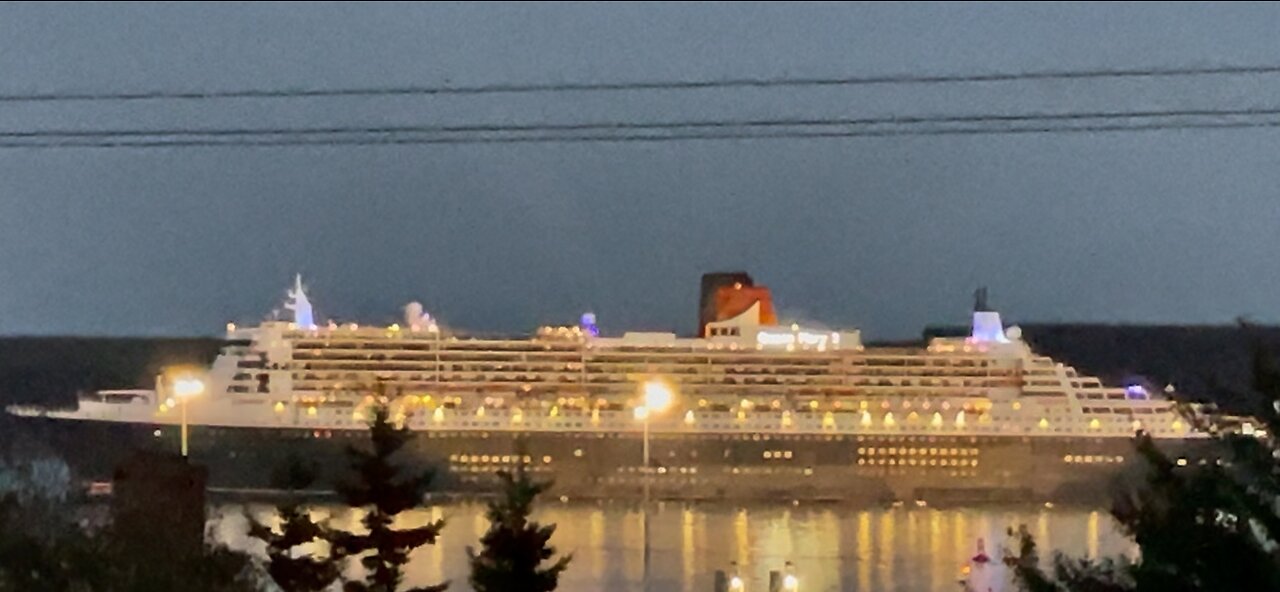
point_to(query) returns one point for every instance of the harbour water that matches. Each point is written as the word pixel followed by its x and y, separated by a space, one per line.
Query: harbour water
pixel 833 548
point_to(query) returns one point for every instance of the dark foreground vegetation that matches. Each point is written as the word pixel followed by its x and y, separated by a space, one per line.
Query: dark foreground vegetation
pixel 1199 528
pixel 151 537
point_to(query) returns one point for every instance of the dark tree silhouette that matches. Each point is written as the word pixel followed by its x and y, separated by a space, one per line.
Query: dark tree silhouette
pixel 291 571
pixel 515 548
pixel 384 493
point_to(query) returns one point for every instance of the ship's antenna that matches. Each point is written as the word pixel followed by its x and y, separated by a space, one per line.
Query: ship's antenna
pixel 980 300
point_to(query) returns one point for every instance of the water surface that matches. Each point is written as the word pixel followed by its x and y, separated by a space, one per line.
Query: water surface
pixel 834 548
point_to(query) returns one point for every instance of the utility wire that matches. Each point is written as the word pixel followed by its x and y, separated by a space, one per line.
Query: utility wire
pixel 659 125
pixel 632 137
pixel 650 85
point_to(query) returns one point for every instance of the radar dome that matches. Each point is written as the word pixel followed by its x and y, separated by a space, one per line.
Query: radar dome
pixel 1013 332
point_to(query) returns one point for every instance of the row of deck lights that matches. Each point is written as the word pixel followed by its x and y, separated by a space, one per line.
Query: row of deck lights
pixel 690 418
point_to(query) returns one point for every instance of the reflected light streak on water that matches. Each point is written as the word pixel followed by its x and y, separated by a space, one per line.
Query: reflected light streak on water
pixel 834 548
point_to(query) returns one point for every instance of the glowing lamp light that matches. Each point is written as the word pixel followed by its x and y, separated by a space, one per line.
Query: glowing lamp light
pixel 888 420
pixel 438 415
pixel 689 418
pixel 936 421
pixel 188 387
pixel 866 419
pixel 790 583
pixel 736 584
pixel 1044 423
pixel 657 396
pixel 1094 424
pixel 960 419
pixel 278 407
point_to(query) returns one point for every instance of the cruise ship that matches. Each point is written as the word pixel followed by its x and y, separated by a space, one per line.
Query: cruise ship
pixel 758 409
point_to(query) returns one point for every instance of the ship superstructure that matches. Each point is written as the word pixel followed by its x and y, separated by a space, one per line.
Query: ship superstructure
pixel 803 396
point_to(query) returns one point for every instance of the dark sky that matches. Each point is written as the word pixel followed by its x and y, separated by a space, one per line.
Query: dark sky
pixel 887 234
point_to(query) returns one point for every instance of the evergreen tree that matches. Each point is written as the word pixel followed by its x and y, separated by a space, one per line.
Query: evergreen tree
pixel 384 493
pixel 313 572
pixel 515 548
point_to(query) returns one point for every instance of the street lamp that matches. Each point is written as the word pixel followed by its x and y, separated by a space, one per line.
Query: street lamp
pixel 185 387
pixel 657 396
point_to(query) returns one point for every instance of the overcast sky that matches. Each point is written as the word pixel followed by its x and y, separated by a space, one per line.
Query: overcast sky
pixel 887 234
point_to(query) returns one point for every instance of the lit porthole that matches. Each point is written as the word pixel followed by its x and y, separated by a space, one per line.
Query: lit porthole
pixel 577 452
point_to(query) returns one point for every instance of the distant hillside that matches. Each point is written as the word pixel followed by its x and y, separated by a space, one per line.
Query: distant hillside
pixel 50 370
pixel 1206 362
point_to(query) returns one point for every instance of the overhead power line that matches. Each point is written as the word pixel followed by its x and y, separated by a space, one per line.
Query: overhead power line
pixel 649 85
pixel 513 128
pixel 747 134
